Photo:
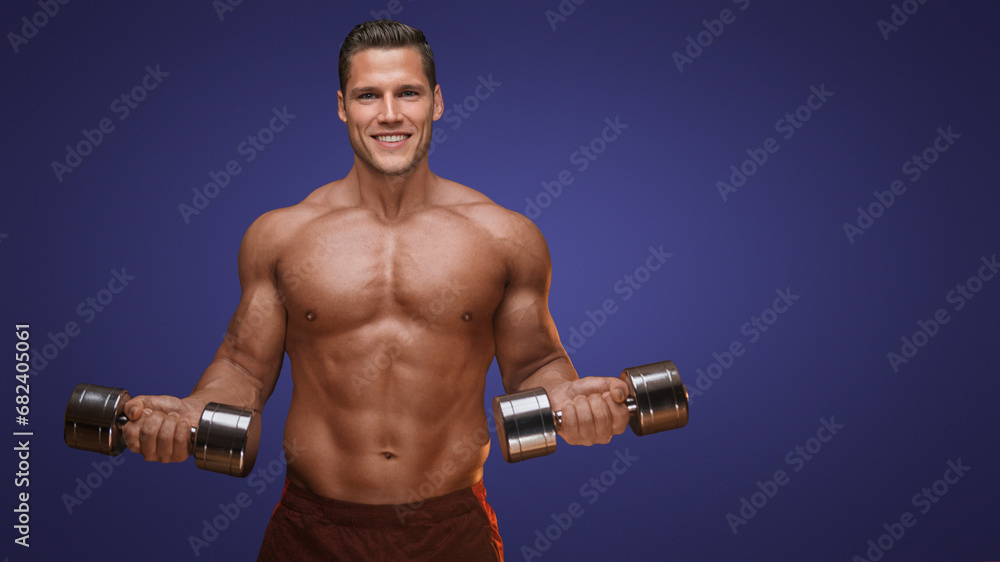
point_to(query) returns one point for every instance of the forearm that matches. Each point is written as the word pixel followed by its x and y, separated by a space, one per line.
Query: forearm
pixel 555 370
pixel 227 382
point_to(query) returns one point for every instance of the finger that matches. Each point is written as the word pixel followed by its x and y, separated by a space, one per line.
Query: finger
pixel 569 422
pixel 164 403
pixel 618 389
pixel 182 440
pixel 599 385
pixel 130 433
pixel 601 414
pixel 165 438
pixel 585 420
pixel 619 414
pixel 134 408
pixel 148 432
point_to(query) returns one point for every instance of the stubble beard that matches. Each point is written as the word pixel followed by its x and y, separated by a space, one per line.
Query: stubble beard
pixel 365 155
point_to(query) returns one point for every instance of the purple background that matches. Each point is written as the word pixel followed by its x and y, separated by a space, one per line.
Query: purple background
pixel 654 185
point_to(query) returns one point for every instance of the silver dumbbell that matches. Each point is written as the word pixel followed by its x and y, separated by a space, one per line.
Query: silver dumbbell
pixel 225 440
pixel 527 426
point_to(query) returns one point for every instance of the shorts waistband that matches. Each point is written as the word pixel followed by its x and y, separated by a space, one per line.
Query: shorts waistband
pixel 433 509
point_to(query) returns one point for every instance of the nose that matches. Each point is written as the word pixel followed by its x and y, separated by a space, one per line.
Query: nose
pixel 389 111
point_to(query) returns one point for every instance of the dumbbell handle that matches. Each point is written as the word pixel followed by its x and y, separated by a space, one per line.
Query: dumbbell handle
pixel 629 402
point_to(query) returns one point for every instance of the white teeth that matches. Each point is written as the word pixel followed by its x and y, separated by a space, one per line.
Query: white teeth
pixel 391 138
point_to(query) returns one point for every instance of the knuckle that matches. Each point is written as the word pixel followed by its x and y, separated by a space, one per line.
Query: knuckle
pixel 148 431
pixel 164 441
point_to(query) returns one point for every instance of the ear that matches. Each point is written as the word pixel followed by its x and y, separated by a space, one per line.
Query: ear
pixel 438 102
pixel 341 110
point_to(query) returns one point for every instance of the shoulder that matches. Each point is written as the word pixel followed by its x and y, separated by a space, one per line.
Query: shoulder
pixel 271 228
pixel 515 236
pixel 283 223
pixel 269 233
pixel 501 223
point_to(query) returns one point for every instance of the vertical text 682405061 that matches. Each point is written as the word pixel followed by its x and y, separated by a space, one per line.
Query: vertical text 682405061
pixel 23 447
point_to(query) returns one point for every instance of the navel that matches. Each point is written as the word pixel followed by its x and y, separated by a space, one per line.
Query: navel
pixel 387 455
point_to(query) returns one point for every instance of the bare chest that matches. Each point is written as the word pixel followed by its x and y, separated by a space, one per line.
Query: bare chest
pixel 338 277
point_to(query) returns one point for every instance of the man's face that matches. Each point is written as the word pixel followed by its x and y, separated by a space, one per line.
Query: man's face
pixel 389 108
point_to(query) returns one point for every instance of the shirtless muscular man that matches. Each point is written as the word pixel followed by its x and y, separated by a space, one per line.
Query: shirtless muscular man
pixel 391 290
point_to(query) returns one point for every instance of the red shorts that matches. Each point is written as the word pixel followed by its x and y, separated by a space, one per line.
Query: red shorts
pixel 455 526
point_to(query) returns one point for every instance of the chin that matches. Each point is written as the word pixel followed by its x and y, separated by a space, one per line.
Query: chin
pixel 394 168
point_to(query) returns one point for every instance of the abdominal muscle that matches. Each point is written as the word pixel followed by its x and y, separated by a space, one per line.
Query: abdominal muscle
pixel 397 423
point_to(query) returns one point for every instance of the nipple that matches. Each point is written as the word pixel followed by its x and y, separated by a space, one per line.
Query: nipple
pixel 467 317
pixel 310 315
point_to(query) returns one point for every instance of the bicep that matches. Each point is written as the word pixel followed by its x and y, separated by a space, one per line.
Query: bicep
pixel 255 338
pixel 525 333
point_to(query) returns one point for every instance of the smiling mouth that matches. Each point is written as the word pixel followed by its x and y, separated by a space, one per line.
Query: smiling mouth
pixel 391 138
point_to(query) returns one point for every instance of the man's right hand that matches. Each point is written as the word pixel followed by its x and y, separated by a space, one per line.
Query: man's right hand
pixel 159 427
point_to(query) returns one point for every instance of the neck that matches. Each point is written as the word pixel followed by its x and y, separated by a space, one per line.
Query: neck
pixel 392 196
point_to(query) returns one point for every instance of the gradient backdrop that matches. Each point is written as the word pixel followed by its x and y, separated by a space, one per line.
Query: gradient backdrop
pixel 795 202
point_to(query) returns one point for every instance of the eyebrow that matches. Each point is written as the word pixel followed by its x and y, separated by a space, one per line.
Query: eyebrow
pixel 369 89
pixel 416 87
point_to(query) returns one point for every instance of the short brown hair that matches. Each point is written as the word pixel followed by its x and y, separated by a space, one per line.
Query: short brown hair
pixel 384 34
